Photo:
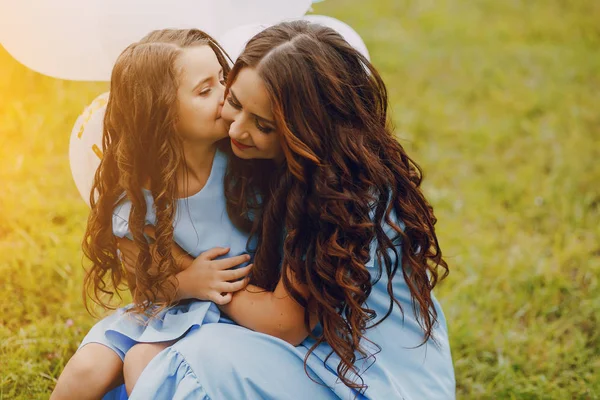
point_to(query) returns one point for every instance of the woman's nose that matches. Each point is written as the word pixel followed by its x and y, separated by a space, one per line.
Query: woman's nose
pixel 237 130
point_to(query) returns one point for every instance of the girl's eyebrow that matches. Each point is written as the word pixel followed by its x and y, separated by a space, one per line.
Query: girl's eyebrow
pixel 254 115
pixel 203 81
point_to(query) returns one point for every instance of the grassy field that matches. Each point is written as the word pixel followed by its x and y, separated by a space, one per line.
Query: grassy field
pixel 497 100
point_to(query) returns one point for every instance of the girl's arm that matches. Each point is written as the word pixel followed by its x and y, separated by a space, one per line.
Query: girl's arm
pixel 274 313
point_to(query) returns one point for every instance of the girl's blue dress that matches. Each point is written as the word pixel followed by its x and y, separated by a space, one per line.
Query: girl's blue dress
pixel 201 223
pixel 226 361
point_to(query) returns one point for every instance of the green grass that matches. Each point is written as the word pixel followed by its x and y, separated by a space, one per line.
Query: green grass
pixel 497 101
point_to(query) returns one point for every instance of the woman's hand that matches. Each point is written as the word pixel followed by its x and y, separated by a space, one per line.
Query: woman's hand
pixel 203 278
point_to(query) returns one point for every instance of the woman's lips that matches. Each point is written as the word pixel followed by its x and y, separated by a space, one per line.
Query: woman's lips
pixel 240 145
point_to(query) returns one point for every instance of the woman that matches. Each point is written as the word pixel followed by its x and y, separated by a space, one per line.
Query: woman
pixel 346 253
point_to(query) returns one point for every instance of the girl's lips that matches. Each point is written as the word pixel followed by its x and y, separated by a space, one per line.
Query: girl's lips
pixel 240 145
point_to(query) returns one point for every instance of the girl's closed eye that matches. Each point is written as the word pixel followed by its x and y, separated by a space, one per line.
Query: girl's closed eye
pixel 205 91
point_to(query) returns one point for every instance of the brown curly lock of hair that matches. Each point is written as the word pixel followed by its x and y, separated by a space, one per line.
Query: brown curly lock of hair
pixel 140 146
pixel 344 176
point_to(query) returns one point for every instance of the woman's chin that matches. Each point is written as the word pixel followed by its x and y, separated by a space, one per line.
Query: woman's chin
pixel 239 153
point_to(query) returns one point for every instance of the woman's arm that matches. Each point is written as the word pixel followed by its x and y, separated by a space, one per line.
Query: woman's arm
pixel 274 313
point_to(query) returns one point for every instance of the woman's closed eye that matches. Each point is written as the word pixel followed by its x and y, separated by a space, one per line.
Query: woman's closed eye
pixel 233 103
pixel 262 128
pixel 259 126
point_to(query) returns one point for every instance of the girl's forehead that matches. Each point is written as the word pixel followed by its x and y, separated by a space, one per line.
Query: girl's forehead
pixel 197 62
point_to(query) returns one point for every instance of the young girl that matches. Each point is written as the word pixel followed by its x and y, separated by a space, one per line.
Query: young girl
pixel 346 253
pixel 163 165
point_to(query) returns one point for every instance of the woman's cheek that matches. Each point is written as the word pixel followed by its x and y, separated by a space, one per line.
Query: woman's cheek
pixel 227 112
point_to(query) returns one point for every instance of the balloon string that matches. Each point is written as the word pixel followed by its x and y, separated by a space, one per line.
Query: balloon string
pixel 96 105
pixel 97 151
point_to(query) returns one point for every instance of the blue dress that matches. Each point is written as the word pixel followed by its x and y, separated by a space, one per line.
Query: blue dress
pixel 201 223
pixel 225 361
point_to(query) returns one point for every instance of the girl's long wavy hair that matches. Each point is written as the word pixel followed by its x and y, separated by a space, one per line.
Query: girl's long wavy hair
pixel 344 177
pixel 140 147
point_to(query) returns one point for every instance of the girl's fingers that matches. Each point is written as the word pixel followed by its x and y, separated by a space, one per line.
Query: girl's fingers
pixel 230 262
pixel 130 270
pixel 235 274
pixel 127 252
pixel 230 287
pixel 129 264
pixel 214 253
pixel 150 231
pixel 222 299
pixel 127 247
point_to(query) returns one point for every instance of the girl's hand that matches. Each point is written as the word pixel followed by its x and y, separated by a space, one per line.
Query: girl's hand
pixel 203 278
pixel 214 280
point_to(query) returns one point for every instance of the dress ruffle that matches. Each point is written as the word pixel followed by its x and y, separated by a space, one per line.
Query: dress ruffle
pixel 176 378
pixel 122 330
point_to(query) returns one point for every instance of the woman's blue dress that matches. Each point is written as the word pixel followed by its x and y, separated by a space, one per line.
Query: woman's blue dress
pixel 226 361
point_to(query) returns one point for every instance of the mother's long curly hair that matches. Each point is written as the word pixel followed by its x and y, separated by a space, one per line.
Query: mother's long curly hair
pixel 140 147
pixel 344 176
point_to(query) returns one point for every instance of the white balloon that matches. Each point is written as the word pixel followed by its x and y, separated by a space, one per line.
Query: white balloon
pixel 343 29
pixel 85 146
pixel 80 40
pixel 268 12
pixel 121 23
pixel 56 38
pixel 235 40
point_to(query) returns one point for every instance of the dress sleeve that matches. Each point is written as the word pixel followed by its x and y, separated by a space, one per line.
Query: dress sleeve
pixel 120 220
pixel 373 254
pixel 392 234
